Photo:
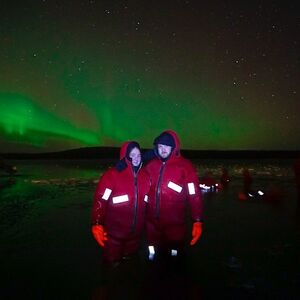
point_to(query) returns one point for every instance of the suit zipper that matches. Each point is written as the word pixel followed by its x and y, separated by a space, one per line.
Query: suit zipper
pixel 158 191
pixel 136 197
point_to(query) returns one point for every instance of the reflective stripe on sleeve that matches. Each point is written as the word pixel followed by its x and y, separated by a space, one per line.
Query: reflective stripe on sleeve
pixel 191 187
pixel 175 187
pixel 120 199
pixel 106 194
pixel 151 252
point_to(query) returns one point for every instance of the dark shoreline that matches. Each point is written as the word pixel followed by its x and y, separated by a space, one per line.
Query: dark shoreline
pixel 113 153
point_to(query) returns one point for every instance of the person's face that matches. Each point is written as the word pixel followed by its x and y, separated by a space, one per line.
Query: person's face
pixel 163 150
pixel 135 155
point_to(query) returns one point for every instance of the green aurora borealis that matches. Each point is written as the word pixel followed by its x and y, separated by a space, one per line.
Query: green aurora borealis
pixel 75 76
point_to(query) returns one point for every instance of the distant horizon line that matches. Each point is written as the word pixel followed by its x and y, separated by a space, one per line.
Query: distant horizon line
pixel 95 152
pixel 146 148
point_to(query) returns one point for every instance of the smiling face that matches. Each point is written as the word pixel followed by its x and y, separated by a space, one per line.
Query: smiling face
pixel 163 150
pixel 135 155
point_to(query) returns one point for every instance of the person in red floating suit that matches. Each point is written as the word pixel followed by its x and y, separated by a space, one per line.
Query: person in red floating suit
pixel 119 206
pixel 225 179
pixel 174 186
pixel 247 180
pixel 247 186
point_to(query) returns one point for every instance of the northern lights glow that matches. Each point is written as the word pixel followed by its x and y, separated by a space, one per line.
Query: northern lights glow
pixel 92 73
pixel 20 118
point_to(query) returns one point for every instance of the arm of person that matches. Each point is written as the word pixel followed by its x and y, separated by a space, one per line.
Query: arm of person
pixel 195 202
pixel 102 195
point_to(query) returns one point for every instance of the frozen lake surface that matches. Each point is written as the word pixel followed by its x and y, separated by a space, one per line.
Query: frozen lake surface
pixel 248 250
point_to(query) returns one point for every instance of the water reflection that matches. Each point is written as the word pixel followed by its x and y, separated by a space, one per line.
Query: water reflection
pixel 247 248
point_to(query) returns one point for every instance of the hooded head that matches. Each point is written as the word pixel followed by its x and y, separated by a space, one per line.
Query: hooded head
pixel 129 157
pixel 170 139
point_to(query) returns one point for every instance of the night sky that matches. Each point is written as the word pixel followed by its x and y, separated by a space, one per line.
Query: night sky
pixel 223 74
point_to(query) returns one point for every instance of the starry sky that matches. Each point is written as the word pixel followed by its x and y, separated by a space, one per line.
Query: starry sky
pixel 223 74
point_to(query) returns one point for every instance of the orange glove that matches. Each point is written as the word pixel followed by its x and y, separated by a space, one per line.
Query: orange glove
pixel 196 232
pixel 99 234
